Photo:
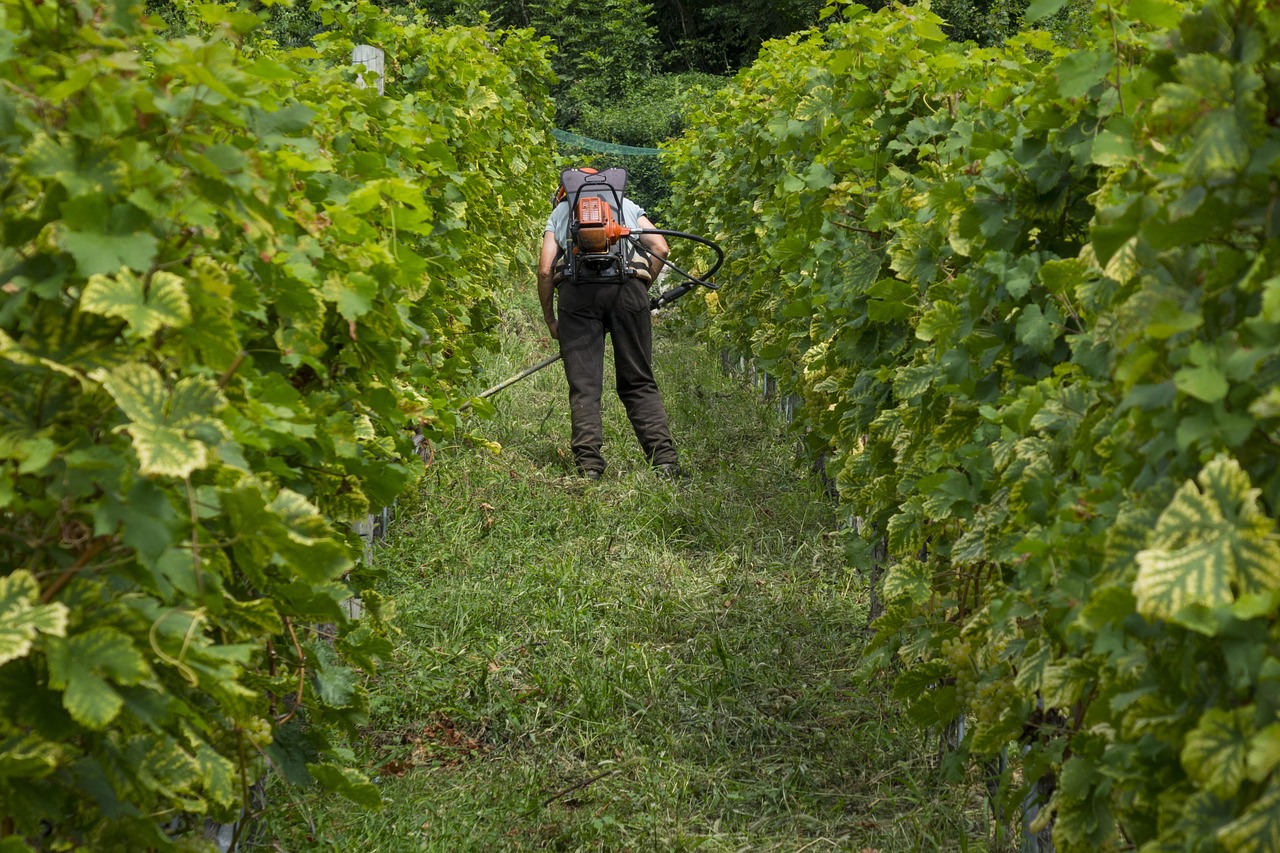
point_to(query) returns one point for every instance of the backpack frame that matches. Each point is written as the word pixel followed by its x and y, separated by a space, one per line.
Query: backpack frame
pixel 595 205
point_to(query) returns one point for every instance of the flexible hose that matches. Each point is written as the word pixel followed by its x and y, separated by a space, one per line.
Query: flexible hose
pixel 684 235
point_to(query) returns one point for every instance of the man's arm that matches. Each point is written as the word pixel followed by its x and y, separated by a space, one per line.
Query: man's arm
pixel 657 246
pixel 546 282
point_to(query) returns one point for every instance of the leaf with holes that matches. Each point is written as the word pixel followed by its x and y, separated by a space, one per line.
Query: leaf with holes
pixel 352 784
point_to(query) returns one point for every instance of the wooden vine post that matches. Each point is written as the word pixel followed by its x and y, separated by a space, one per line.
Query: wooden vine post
pixel 373 60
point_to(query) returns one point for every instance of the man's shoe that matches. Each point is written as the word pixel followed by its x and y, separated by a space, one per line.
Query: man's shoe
pixel 592 473
pixel 670 471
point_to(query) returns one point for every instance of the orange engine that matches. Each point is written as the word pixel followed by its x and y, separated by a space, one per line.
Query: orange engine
pixel 597 229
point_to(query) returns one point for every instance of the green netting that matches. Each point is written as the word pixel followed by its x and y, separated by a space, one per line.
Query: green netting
pixel 606 147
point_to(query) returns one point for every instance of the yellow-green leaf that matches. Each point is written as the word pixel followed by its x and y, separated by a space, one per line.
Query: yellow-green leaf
pixel 908 578
pixel 146 306
pixel 1204 382
pixel 1264 752
pixel 1157 13
pixel 171 432
pixel 1211 546
pixel 27 757
pixel 218 776
pixel 1258 829
pixel 168 769
pixel 1170 581
pixel 81 665
pixel 22 615
pixel 1214 754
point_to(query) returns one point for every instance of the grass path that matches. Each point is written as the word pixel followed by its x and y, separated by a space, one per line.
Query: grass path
pixel 634 664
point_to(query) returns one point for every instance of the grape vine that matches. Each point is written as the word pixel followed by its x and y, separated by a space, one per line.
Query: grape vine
pixel 234 285
pixel 1030 296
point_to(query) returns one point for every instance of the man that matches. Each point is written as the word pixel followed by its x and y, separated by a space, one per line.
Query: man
pixel 587 310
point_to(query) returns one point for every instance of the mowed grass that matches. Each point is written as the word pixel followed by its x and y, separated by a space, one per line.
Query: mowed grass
pixel 630 665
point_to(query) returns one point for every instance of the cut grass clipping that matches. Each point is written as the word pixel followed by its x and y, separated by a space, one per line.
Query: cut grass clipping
pixel 634 664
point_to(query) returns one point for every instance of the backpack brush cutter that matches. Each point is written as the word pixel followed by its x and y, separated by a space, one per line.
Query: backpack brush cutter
pixel 598 246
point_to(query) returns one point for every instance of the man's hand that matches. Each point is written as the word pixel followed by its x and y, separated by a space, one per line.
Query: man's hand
pixel 553 326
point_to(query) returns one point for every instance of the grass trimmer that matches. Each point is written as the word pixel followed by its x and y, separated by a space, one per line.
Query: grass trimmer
pixel 656 303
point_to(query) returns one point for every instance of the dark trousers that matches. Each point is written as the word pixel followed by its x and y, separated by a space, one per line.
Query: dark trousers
pixel 587 311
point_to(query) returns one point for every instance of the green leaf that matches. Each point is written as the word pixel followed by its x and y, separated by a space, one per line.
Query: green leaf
pixel 1168 319
pixel 894 299
pixel 1204 382
pixel 145 307
pixel 98 253
pixel 218 776
pixel 1062 277
pixel 1214 754
pixel 920 679
pixel 910 578
pixel 1156 13
pixel 171 432
pixel 335 684
pixel 1258 829
pixel 349 783
pixel 1210 545
pixel 1035 329
pixel 27 757
pixel 82 666
pixel 22 615
pixel 1111 149
pixel 1080 71
pixel 34 454
pixel 353 296
pixel 1038 9
pixel 285 120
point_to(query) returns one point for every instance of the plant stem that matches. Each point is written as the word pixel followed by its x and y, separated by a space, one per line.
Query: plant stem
pixel 81 561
